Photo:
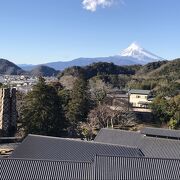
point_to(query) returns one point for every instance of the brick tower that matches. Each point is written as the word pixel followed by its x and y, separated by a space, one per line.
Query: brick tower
pixel 8 112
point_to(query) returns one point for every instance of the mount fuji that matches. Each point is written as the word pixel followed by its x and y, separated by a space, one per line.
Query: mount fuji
pixel 142 55
pixel 134 54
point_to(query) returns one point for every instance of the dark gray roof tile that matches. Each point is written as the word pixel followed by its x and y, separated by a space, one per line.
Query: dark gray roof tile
pixel 150 146
pixel 23 169
pixel 44 147
pixel 120 137
pixel 161 132
pixel 99 161
pixel 102 168
pixel 134 168
pixel 159 147
pixel 139 91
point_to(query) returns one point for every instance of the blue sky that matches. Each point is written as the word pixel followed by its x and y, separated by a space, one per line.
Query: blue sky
pixel 39 31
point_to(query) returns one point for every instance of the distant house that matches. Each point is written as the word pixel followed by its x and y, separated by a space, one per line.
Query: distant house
pixel 140 98
pixel 137 99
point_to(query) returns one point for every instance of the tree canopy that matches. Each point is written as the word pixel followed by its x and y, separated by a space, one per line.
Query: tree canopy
pixel 42 111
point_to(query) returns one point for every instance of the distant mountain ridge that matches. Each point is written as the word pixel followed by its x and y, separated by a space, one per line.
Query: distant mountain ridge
pixel 43 71
pixel 9 68
pixel 134 54
pixel 27 67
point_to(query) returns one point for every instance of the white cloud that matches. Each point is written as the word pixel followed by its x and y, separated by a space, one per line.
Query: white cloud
pixel 92 5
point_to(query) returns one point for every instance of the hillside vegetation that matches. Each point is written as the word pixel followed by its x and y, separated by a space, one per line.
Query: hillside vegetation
pixel 100 68
pixel 43 71
pixel 81 97
pixel 162 77
pixel 9 68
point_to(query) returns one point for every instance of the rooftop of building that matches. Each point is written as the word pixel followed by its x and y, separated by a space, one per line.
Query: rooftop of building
pixel 139 91
pixel 150 146
pixel 57 148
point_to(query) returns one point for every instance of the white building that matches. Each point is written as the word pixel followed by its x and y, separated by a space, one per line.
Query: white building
pixel 140 98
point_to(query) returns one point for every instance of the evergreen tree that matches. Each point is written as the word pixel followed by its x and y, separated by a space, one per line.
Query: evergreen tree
pixel 167 110
pixel 78 106
pixel 42 111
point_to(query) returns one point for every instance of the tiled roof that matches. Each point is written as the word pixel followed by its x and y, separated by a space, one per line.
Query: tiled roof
pixel 133 168
pixel 50 158
pixel 150 146
pixel 118 95
pixel 21 169
pixel 120 137
pixel 102 168
pixel 43 147
pixel 161 132
pixel 160 147
pixel 139 91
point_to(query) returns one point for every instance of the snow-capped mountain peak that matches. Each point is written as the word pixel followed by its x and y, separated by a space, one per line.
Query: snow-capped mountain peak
pixel 139 53
pixel 134 54
pixel 134 46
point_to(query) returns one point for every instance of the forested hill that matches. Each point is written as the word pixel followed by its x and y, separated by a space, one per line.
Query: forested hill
pixel 162 76
pixel 43 71
pixel 144 70
pixel 154 69
pixel 161 69
pixel 100 68
pixel 171 69
pixel 9 68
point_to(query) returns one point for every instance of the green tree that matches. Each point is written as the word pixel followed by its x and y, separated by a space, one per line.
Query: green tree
pixel 159 108
pixel 64 95
pixel 174 105
pixel 167 110
pixel 42 112
pixel 78 105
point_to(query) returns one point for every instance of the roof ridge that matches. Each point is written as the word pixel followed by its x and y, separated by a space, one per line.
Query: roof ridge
pixel 121 130
pixel 47 160
pixel 163 129
pixel 162 139
pixel 137 157
pixel 81 141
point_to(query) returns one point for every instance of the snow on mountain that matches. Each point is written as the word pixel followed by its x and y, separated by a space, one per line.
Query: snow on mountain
pixel 134 54
pixel 139 53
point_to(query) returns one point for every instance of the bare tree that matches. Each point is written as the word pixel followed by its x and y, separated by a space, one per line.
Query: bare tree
pixel 100 116
pixel 111 113
pixel 122 114
pixel 124 119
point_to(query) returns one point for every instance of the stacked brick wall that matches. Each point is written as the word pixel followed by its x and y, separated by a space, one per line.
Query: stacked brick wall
pixel 13 108
pixel 1 99
pixel 8 113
